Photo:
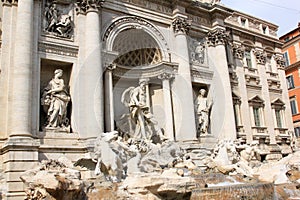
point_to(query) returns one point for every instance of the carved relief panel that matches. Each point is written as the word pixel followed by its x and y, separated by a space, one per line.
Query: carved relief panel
pixel 197 51
pixel 58 18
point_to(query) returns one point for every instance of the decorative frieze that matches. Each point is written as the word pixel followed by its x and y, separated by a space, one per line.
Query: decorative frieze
pixel 9 2
pixel 62 50
pixel 181 25
pixel 252 81
pixel 260 57
pixel 166 76
pixel 217 37
pixel 83 6
pixel 150 5
pixel 200 20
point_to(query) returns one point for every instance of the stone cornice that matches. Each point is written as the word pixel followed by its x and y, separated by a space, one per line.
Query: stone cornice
pixel 217 37
pixel 181 25
pixel 84 6
pixel 148 72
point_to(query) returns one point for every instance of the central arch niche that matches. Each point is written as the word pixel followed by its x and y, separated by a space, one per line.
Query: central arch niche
pixel 136 48
pixel 139 57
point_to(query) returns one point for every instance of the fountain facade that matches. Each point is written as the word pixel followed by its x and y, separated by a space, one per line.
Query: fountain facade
pixel 126 87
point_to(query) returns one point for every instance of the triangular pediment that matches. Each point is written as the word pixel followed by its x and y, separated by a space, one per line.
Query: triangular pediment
pixel 278 102
pixel 256 99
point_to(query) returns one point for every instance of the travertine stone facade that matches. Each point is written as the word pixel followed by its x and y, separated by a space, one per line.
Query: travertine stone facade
pixel 105 47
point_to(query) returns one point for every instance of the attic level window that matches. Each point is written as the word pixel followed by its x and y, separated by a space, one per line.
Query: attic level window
pixel 264 29
pixel 243 22
pixel 247 58
pixel 287 39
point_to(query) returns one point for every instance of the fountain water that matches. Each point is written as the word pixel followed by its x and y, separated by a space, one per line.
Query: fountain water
pixel 219 186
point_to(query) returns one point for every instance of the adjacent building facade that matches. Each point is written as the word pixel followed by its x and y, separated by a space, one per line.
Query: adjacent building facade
pixel 68 66
pixel 291 52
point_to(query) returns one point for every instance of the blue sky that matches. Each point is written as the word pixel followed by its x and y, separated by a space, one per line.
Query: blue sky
pixel 284 13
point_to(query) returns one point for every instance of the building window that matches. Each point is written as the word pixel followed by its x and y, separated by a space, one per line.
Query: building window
pixel 297 131
pixel 287 39
pixel 268 64
pixel 278 106
pixel 243 22
pixel 278 118
pixel 293 104
pixel 286 59
pixel 257 118
pixel 256 105
pixel 247 57
pixel 290 82
pixel 264 29
pixel 237 109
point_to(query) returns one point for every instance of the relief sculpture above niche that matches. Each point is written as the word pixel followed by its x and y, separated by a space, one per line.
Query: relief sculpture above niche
pixel 58 18
pixel 197 51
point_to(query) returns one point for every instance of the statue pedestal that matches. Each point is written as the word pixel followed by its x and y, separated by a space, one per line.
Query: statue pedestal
pixel 55 144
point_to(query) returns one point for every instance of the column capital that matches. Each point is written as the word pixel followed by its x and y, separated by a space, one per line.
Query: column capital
pixel 217 37
pixel 238 51
pixel 85 6
pixel 165 76
pixel 9 2
pixel 260 56
pixel 280 61
pixel 144 80
pixel 111 67
pixel 181 25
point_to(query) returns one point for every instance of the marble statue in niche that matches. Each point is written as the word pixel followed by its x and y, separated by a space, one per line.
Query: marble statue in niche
pixel 55 100
pixel 142 123
pixel 197 51
pixel 203 106
pixel 58 20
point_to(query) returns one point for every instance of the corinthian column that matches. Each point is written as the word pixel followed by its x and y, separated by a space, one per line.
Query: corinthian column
pixel 109 98
pixel 91 102
pixel 223 123
pixel 184 116
pixel 20 121
pixel 165 77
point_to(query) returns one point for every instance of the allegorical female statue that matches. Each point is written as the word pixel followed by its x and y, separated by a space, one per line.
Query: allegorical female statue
pixel 202 107
pixel 55 100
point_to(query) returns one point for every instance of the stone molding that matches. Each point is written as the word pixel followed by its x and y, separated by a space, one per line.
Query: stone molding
pixel 62 50
pixel 130 22
pixel 84 6
pixel 149 72
pixel 181 25
pixel 260 57
pixel 9 2
pixel 217 37
pixel 202 74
